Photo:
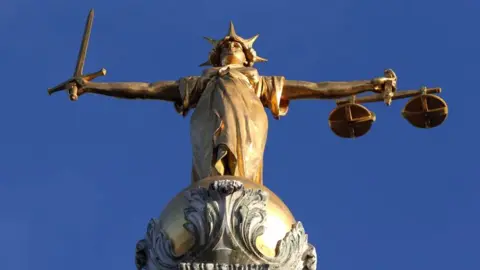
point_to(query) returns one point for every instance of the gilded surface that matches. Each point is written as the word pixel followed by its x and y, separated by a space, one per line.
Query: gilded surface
pixel 229 125
pixel 229 111
pixel 229 129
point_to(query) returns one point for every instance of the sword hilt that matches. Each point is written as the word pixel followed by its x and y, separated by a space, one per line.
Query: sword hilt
pixel 73 92
pixel 73 84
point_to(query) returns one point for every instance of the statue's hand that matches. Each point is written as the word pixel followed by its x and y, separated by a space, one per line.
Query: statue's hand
pixel 76 86
pixel 80 83
pixel 386 83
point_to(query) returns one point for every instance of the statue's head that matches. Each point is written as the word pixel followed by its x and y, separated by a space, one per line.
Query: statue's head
pixel 232 49
pixel 231 52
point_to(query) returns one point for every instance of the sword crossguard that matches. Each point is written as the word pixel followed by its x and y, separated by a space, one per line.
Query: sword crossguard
pixel 73 84
pixel 73 92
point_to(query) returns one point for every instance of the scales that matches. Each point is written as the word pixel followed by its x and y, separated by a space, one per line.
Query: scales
pixel 425 109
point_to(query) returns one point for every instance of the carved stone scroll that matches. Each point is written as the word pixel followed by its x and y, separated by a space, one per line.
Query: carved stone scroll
pixel 225 220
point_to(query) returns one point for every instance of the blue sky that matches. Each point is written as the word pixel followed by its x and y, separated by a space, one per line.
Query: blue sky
pixel 79 181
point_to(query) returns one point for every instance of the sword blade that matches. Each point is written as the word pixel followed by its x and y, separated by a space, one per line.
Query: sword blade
pixel 82 53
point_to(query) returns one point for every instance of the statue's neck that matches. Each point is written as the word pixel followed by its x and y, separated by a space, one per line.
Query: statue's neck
pixel 233 65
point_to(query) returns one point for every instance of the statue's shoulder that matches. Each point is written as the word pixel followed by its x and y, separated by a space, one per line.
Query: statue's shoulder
pixel 251 73
pixel 249 69
pixel 210 71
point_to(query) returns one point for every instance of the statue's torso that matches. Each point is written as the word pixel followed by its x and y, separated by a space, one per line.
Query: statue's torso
pixel 227 90
pixel 229 112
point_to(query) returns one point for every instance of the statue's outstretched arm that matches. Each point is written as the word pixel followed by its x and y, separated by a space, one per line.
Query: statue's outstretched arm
pixel 324 90
pixel 163 90
pixel 333 90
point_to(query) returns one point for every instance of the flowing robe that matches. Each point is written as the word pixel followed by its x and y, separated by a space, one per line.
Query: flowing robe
pixel 229 125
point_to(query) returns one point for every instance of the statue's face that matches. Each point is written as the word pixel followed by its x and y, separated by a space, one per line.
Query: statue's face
pixel 232 53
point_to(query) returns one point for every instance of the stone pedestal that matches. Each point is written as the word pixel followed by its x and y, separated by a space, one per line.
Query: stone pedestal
pixel 225 223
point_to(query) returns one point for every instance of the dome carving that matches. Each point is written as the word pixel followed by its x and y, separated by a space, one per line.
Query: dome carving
pixel 226 220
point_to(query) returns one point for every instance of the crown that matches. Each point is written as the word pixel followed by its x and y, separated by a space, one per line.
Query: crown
pixel 247 45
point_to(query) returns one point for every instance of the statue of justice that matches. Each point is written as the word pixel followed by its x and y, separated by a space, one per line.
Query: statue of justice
pixel 229 99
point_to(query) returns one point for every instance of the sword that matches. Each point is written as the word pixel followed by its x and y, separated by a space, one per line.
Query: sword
pixel 71 84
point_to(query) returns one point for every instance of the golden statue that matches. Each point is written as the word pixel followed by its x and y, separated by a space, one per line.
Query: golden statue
pixel 227 218
pixel 229 125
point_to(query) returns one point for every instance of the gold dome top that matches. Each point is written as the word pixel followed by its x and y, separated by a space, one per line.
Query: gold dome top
pixel 278 218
